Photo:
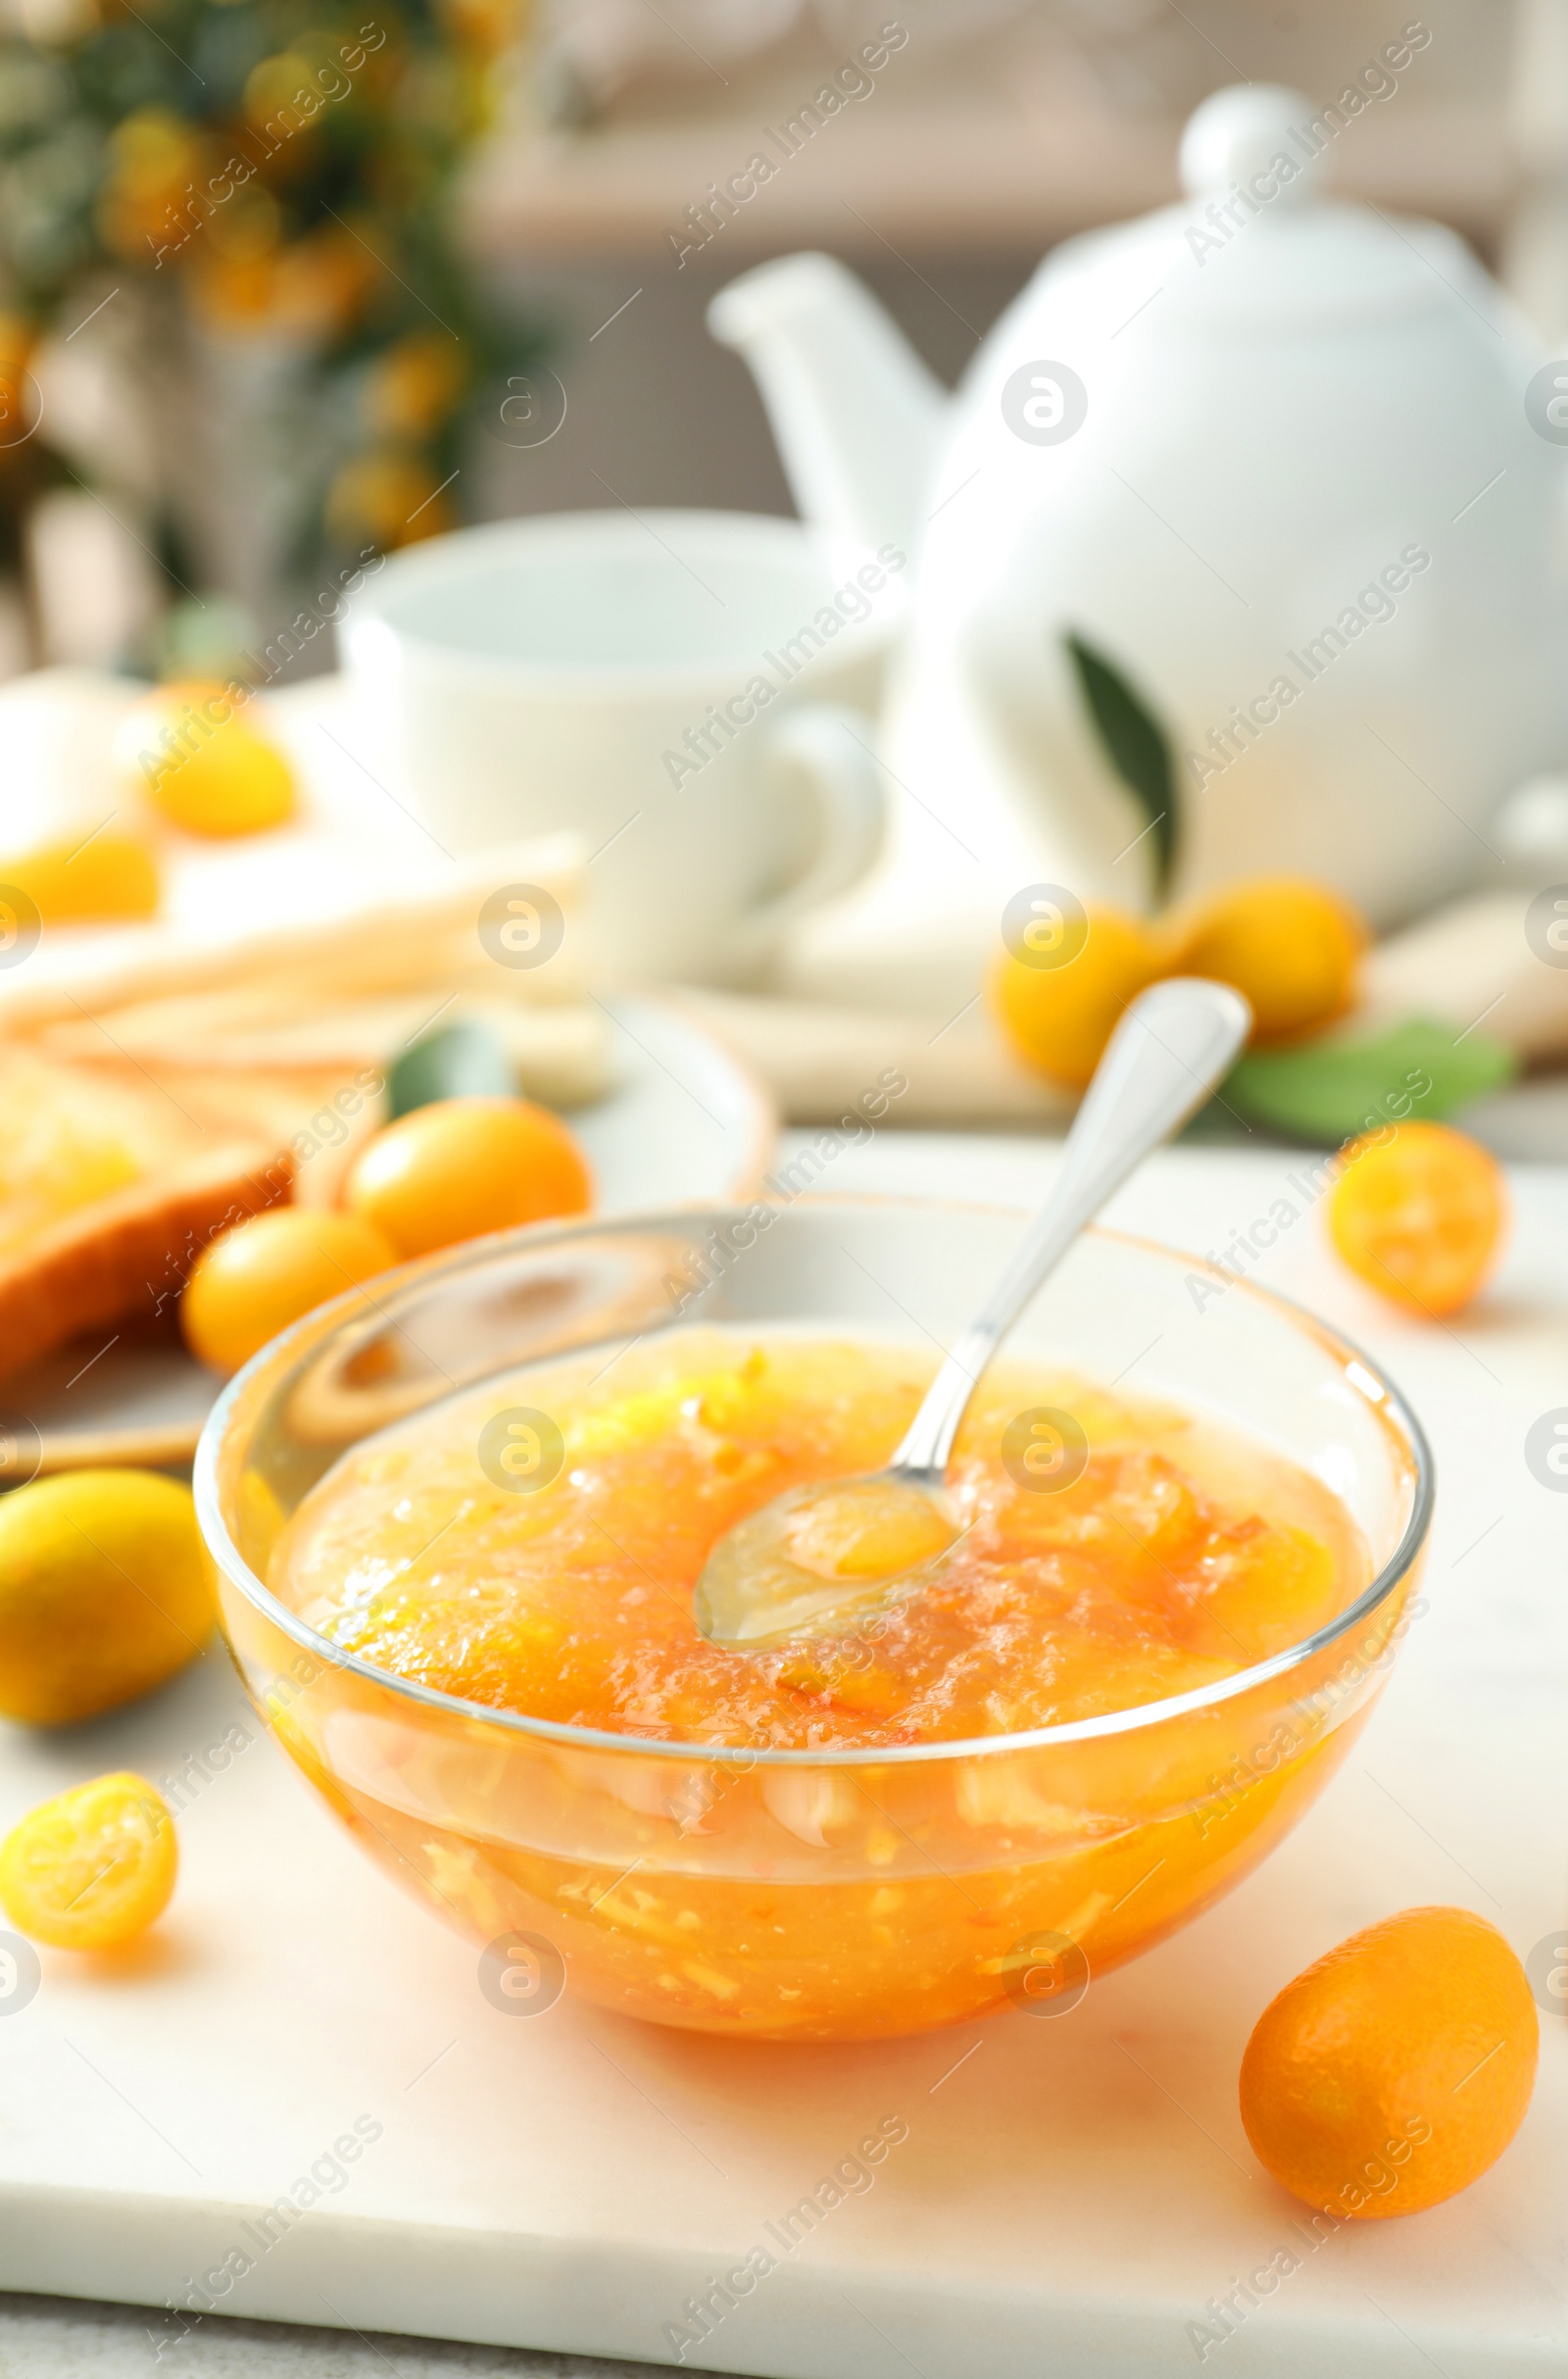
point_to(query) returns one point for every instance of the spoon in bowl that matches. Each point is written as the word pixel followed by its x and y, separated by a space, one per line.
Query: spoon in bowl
pixel 820 1557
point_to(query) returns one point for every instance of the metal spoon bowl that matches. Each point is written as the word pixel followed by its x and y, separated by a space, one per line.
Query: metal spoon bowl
pixel 1174 1042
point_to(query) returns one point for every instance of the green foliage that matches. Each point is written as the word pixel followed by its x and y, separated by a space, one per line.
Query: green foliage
pixel 283 168
pixel 389 131
pixel 1330 1089
pixel 1136 746
pixel 462 1062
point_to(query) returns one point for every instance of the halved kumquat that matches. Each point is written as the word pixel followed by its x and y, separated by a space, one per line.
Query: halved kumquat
pixel 1419 1215
pixel 93 1867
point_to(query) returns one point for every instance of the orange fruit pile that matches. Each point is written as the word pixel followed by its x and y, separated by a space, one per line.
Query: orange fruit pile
pixel 1290 947
pixel 448 1172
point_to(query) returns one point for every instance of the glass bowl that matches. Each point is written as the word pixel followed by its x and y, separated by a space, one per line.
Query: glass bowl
pixel 810 1895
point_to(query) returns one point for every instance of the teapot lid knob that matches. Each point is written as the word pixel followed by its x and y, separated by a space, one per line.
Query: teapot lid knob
pixel 1240 132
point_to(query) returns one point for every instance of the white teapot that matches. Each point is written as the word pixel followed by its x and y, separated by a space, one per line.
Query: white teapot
pixel 1293 467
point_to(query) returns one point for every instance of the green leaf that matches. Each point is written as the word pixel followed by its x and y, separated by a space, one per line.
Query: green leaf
pixel 1329 1090
pixel 1136 746
pixel 463 1062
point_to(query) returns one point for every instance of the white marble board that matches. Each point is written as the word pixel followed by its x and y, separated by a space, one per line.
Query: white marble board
pixel 1070 2194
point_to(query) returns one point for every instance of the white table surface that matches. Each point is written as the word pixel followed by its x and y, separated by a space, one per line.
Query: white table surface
pixel 1070 2194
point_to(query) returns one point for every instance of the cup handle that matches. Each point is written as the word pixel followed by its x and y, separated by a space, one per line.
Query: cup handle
pixel 832 745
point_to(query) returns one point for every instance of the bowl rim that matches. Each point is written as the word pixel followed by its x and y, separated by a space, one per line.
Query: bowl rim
pixel 1389 1401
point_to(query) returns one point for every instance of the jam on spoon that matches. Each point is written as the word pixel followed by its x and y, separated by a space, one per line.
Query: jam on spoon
pixel 822 1557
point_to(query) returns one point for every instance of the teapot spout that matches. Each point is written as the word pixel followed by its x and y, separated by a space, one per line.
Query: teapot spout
pixel 857 415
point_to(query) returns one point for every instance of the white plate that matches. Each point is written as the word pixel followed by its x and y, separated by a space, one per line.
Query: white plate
pixel 685 1125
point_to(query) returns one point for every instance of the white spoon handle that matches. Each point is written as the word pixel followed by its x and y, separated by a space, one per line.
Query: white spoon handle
pixel 1174 1042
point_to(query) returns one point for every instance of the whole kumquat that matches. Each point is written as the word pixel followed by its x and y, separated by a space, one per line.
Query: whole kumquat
pixel 193 749
pixel 1419 1216
pixel 86 879
pixel 1290 946
pixel 1060 1005
pixel 104 1593
pixel 91 1869
pixel 1395 2071
pixel 460 1168
pixel 268 1272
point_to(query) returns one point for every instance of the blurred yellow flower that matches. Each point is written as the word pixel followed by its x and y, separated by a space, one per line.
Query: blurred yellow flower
pixel 325 281
pixel 484 26
pixel 18 396
pixel 151 148
pixel 313 290
pixel 248 224
pixel 156 163
pixel 413 388
pixel 18 339
pixel 281 97
pixel 234 293
pixel 390 497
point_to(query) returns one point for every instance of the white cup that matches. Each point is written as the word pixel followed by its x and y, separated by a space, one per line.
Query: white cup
pixel 674 687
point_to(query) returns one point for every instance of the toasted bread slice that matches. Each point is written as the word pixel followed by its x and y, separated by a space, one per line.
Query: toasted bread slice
pixel 128 1252
pixel 111 1183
